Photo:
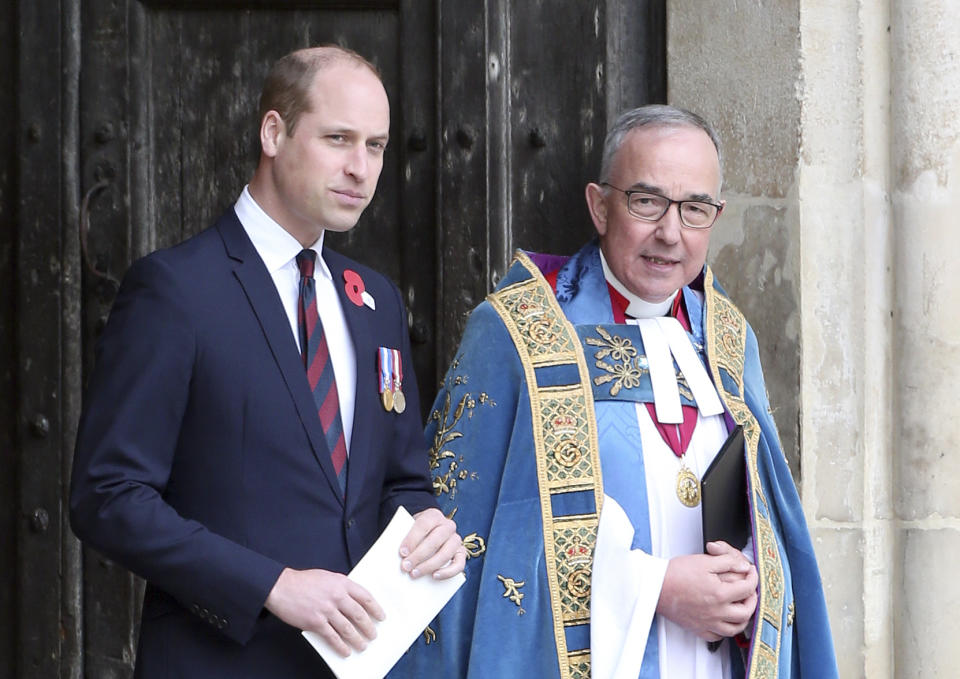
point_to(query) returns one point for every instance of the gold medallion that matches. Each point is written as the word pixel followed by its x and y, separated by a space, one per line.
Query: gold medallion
pixel 387 397
pixel 688 487
pixel 399 402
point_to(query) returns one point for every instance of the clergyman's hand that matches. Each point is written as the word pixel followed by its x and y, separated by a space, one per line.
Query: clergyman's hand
pixel 432 547
pixel 328 604
pixel 713 595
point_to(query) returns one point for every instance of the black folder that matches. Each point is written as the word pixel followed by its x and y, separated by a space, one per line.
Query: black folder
pixel 723 491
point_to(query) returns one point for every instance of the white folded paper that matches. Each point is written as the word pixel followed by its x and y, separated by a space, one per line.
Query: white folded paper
pixel 409 604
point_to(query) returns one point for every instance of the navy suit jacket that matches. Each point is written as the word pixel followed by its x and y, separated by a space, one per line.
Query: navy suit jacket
pixel 201 463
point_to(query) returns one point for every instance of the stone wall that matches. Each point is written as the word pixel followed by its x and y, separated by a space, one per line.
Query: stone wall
pixel 841 243
pixel 925 198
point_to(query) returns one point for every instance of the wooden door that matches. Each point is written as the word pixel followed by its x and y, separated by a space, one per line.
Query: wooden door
pixel 136 127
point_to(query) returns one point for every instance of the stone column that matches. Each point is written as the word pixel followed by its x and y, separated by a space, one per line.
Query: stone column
pixel 841 125
pixel 847 289
pixel 925 168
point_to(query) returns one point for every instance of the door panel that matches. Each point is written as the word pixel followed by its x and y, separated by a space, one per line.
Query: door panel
pixel 8 340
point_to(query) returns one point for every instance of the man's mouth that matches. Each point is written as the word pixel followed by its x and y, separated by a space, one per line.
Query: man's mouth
pixel 659 260
pixel 352 199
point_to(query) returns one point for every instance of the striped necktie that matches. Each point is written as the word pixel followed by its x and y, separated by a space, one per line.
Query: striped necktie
pixel 319 367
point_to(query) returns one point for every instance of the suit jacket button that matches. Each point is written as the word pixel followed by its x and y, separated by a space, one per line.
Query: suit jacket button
pixel 350 523
pixel 195 609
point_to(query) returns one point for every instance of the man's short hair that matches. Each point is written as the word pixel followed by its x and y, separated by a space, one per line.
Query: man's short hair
pixel 657 115
pixel 287 87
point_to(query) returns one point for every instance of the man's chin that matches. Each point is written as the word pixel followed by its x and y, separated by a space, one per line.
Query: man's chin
pixel 344 223
pixel 652 289
pixel 334 228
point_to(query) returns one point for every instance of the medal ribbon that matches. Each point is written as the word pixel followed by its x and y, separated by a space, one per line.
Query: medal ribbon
pixel 396 366
pixel 385 357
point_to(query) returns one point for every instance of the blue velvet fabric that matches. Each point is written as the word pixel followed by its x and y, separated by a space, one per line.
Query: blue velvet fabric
pixel 484 471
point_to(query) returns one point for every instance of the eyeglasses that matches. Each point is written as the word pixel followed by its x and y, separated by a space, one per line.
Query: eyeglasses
pixel 650 207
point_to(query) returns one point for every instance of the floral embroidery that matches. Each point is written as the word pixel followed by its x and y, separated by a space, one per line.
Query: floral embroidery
pixel 448 466
pixel 616 347
pixel 512 591
pixel 630 367
pixel 475 545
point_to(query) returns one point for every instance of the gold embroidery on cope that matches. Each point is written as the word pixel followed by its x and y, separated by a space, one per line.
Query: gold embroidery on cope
pixel 629 367
pixel 512 591
pixel 575 539
pixel 764 664
pixel 578 560
pixel 726 334
pixel 565 446
pixel 565 437
pixel 475 545
pixel 568 449
pixel 531 314
pixel 580 665
pixel 446 465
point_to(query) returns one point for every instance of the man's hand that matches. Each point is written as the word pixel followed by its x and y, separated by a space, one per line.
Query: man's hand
pixel 432 547
pixel 713 595
pixel 329 604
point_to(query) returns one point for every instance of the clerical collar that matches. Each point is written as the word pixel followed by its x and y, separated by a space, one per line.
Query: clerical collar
pixel 636 307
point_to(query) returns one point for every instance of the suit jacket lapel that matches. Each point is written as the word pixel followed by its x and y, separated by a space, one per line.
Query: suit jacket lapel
pixel 261 292
pixel 361 323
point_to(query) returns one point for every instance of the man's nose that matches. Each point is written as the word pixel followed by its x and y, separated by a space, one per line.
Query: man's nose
pixel 669 226
pixel 357 163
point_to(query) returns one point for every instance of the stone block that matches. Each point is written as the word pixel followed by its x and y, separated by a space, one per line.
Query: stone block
pixel 927 359
pixel 712 69
pixel 755 260
pixel 927 600
pixel 840 556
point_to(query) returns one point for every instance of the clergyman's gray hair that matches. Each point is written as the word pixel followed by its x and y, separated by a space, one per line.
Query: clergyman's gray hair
pixel 658 115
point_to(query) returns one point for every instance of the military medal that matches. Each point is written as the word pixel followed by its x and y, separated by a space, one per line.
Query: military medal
pixel 399 400
pixel 385 371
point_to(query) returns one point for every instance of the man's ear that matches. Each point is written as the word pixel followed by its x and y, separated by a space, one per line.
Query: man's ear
pixel 597 204
pixel 272 132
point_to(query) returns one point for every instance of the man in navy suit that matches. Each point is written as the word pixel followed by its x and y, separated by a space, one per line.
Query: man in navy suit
pixel 202 459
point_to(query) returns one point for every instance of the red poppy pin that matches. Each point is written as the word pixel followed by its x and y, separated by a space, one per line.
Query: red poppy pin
pixel 356 290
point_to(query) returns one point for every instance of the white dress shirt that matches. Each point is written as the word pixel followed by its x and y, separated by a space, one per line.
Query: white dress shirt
pixel 279 250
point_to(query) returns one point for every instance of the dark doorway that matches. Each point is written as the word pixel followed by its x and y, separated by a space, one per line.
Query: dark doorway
pixel 135 124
